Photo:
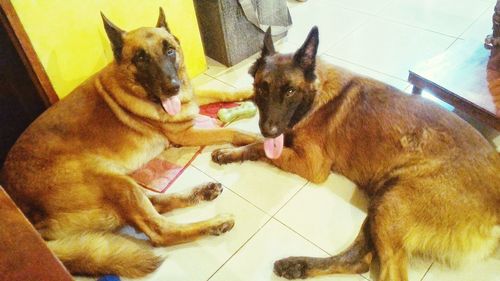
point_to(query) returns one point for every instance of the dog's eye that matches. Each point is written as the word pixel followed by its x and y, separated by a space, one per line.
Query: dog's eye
pixel 290 91
pixel 171 52
pixel 141 56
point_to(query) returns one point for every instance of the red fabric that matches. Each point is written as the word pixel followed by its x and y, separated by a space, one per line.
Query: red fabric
pixel 211 110
pixel 158 175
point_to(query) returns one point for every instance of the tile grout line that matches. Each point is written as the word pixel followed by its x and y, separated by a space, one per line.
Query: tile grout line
pixel 427 271
pixel 369 68
pixel 317 246
pixel 474 22
pixel 243 245
pixel 303 237
pixel 465 30
pixel 379 15
pixel 229 188
pixel 258 230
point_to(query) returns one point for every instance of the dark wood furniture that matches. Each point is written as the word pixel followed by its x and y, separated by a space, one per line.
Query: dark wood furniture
pixel 25 92
pixel 467 77
pixel 23 253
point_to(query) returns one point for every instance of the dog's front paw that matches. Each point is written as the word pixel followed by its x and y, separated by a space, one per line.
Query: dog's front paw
pixel 223 156
pixel 223 224
pixel 208 192
pixel 291 268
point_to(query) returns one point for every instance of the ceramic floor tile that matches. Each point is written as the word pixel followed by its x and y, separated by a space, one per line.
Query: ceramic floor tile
pixel 481 27
pixel 396 82
pixel 389 48
pixel 214 67
pixel 487 270
pixel 329 215
pixel 213 84
pixel 200 80
pixel 274 241
pixel 364 6
pixel 237 75
pixel 496 142
pixel 334 23
pixel 209 253
pixel 262 184
pixel 443 16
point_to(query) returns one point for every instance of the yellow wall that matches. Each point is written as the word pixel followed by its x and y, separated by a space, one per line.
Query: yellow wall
pixel 69 38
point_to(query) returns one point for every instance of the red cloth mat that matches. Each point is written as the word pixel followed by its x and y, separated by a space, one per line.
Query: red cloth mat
pixel 160 173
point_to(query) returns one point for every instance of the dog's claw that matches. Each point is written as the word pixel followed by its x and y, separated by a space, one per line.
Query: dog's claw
pixel 226 224
pixel 209 192
pixel 291 268
pixel 222 156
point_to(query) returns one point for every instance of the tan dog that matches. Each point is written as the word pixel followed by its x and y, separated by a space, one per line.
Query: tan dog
pixel 69 170
pixel 432 179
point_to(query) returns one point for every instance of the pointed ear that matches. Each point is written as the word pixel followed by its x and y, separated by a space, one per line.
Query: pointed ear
pixel 305 57
pixel 268 48
pixel 115 36
pixel 161 20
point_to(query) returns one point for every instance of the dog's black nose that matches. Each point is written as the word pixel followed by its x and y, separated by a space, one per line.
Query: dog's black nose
pixel 273 130
pixel 175 85
pixel 270 130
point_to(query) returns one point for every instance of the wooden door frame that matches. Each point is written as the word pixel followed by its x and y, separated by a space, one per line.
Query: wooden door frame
pixel 10 20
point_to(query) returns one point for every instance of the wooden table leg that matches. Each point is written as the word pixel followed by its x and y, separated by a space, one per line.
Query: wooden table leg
pixel 416 90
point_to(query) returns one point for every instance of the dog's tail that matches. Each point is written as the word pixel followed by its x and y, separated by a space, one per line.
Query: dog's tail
pixel 206 96
pixel 105 253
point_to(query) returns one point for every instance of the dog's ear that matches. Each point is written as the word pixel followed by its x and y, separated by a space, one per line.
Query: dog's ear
pixel 115 36
pixel 305 57
pixel 162 22
pixel 267 50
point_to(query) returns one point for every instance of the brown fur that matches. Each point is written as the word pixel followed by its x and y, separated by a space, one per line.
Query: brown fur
pixel 432 179
pixel 68 171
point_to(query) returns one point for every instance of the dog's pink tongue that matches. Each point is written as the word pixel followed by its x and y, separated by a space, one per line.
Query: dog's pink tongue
pixel 273 146
pixel 171 105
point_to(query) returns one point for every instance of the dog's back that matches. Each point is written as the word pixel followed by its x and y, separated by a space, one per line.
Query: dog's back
pixel 432 179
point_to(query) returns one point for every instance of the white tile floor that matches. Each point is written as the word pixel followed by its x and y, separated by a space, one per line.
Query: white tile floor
pixel 280 214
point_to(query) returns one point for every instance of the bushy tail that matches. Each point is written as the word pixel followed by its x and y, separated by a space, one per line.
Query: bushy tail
pixel 105 253
pixel 210 96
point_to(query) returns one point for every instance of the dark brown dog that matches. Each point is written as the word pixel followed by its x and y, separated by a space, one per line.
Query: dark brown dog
pixel 69 170
pixel 433 180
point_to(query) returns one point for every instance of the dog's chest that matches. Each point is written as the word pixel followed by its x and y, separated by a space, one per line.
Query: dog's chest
pixel 143 151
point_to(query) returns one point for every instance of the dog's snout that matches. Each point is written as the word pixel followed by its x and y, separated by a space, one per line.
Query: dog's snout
pixel 273 130
pixel 270 129
pixel 175 85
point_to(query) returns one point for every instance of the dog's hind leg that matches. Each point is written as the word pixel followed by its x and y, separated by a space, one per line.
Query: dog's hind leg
pixel 129 200
pixel 356 259
pixel 389 223
pixel 205 192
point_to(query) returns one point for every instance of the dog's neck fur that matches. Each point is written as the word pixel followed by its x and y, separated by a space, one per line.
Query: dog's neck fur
pixel 328 85
pixel 132 102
